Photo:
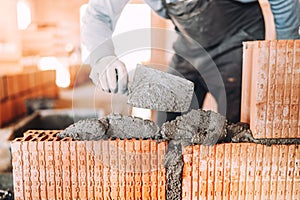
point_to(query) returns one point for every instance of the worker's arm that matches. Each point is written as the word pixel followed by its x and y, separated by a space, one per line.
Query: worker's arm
pixel 99 22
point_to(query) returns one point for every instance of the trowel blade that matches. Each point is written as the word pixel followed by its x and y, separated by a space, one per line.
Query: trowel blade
pixel 154 89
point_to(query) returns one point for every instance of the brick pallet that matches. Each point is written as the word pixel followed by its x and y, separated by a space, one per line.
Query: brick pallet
pixel 46 167
pixel 15 89
pixel 271 88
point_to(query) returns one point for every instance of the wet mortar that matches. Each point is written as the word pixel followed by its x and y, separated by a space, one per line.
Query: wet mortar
pixel 195 127
pixel 112 126
pixel 174 166
pixel 161 91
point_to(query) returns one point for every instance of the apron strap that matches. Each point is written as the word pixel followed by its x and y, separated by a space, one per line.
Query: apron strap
pixel 270 32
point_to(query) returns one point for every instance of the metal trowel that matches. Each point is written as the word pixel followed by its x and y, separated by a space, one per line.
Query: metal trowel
pixel 161 91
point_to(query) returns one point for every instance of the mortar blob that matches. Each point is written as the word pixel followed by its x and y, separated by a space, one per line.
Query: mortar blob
pixel 154 89
pixel 112 126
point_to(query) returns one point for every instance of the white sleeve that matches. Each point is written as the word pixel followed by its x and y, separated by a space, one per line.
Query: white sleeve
pixel 98 25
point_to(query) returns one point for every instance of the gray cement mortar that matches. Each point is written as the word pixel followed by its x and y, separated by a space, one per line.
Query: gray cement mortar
pixel 196 127
pixel 241 132
pixel 125 127
pixel 88 129
pixel 277 141
pixel 154 89
pixel 112 126
pixel 174 167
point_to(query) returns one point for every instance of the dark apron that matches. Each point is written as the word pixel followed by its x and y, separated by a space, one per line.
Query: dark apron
pixel 202 20
pixel 209 49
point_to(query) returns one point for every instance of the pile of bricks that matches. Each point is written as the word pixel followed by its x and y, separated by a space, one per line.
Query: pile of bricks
pixel 271 88
pixel 15 89
pixel 46 167
pixel 271 104
pixel 241 171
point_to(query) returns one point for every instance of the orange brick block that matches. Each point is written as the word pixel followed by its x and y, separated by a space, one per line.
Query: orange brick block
pixel 271 88
pixel 47 167
pixel 3 89
pixel 241 171
pixel 50 90
pixel 46 77
pixel 13 83
pixel 6 111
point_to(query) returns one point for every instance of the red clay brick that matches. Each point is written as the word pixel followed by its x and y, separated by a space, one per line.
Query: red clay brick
pixel 12 84
pixel 227 172
pixel 296 185
pixel 3 89
pixel 134 169
pixel 154 171
pixel 195 172
pixel 219 172
pixel 243 171
pixel 162 147
pixel 247 81
pixel 271 82
pixel 6 111
pixel 16 150
pixel 116 169
pixel 258 189
pixel 187 174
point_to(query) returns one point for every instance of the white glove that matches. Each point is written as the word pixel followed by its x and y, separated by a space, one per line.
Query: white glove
pixel 110 74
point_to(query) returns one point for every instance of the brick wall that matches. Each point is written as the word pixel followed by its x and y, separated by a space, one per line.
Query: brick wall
pixel 46 167
pixel 241 171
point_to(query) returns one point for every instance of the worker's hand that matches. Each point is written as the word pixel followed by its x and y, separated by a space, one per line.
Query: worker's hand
pixel 110 74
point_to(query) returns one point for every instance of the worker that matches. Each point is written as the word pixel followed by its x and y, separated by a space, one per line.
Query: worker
pixel 219 27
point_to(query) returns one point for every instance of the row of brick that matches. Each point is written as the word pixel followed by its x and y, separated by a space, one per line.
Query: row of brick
pixel 271 88
pixel 45 167
pixel 15 84
pixel 114 169
pixel 14 107
pixel 46 135
pixel 241 171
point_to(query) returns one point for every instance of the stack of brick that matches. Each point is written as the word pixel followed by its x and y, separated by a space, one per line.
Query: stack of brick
pixel 271 88
pixel 133 169
pixel 241 171
pixel 15 89
pixel 271 104
pixel 46 167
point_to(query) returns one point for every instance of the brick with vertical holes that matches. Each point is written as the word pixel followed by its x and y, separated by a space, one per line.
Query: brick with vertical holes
pixel 105 169
pixel 250 171
pixel 271 88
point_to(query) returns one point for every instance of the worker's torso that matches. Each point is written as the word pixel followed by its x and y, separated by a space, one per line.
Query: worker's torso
pixel 210 21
